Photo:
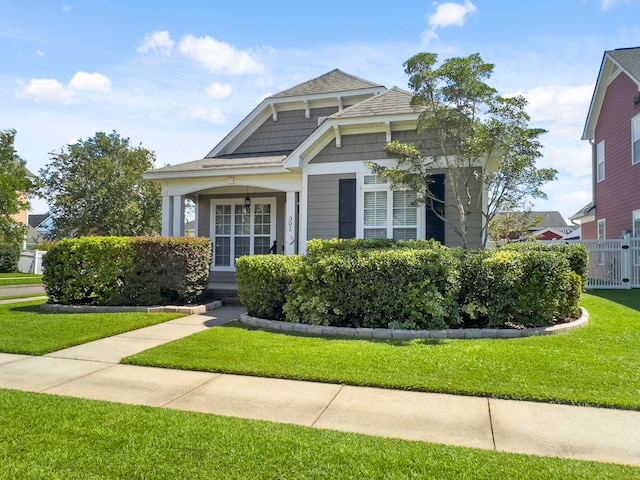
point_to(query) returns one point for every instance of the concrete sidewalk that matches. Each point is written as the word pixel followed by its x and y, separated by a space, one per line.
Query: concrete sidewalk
pixel 92 371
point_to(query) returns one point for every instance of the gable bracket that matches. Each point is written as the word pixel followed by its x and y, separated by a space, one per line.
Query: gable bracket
pixel 307 112
pixel 274 112
pixel 336 130
pixel 387 128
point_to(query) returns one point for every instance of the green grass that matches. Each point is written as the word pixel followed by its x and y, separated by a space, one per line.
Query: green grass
pixel 7 279
pixel 63 438
pixel 30 295
pixel 26 328
pixel 597 365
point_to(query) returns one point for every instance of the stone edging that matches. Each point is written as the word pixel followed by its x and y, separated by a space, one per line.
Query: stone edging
pixel 459 333
pixel 156 309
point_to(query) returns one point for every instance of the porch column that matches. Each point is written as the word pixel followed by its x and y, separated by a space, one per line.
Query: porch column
pixel 290 224
pixel 167 216
pixel 178 216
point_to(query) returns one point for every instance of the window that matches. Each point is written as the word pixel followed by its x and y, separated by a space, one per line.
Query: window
pixel 387 213
pixel 636 224
pixel 602 235
pixel 635 140
pixel 600 161
pixel 237 231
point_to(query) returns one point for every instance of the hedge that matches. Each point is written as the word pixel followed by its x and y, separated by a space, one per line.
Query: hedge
pixel 264 282
pixel 126 270
pixel 9 257
pixel 356 283
pixel 397 288
pixel 517 288
pixel 576 254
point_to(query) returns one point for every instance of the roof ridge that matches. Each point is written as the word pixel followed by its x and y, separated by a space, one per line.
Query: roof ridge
pixel 318 85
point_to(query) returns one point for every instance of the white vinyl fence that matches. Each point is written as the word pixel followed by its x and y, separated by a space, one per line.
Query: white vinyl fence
pixel 31 261
pixel 613 263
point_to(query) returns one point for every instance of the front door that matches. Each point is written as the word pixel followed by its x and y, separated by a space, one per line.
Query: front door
pixel 237 230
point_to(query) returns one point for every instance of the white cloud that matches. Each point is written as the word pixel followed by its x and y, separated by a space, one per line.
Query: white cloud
pixel 39 53
pixel 219 56
pixel 45 90
pixel 607 4
pixel 218 90
pixel 447 14
pixel 158 42
pixel 212 115
pixel 90 82
pixel 560 104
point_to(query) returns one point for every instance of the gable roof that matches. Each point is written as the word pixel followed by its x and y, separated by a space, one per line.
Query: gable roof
pixel 331 82
pixel 625 60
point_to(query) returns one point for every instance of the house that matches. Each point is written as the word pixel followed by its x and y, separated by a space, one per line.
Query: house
pixel 541 226
pixel 40 229
pixel 22 215
pixel 294 170
pixel 613 130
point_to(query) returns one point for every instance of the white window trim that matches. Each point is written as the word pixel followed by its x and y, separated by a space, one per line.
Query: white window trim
pixel 238 201
pixel 600 160
pixel 382 187
pixel 635 136
pixel 635 215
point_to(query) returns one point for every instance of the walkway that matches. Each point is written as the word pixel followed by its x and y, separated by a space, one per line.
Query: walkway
pixel 92 371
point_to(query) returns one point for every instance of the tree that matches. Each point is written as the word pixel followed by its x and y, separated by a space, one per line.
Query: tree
pixel 475 135
pixel 95 187
pixel 508 227
pixel 15 186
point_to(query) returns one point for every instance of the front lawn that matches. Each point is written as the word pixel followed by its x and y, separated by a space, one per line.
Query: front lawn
pixel 597 365
pixel 26 328
pixel 65 438
pixel 7 279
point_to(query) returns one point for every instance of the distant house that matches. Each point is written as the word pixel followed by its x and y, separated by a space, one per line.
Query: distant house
pixel 21 216
pixel 294 170
pixel 40 228
pixel 545 225
pixel 613 130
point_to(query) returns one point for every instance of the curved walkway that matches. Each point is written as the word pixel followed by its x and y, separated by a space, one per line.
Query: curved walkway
pixel 92 371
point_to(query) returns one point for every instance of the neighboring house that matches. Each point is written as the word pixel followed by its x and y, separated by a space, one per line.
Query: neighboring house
pixel 613 130
pixel 21 216
pixel 40 228
pixel 545 226
pixel 294 170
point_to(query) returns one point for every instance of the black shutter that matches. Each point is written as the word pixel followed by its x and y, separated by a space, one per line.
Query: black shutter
pixel 435 225
pixel 347 208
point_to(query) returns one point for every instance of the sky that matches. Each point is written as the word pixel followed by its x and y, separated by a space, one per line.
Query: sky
pixel 176 77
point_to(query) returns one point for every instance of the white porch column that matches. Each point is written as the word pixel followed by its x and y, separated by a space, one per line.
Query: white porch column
pixel 178 216
pixel 167 216
pixel 290 224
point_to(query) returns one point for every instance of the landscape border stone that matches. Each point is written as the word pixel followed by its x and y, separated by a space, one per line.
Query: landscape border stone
pixel 386 333
pixel 189 310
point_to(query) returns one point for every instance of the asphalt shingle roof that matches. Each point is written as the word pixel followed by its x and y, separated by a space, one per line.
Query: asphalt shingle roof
pixel 629 59
pixel 394 101
pixel 333 81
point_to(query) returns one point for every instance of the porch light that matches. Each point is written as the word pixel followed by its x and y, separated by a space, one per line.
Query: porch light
pixel 247 203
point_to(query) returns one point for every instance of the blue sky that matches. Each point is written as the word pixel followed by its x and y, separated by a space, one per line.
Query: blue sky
pixel 178 76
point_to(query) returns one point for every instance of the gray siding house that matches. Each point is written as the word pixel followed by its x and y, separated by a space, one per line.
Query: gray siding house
pixel 294 170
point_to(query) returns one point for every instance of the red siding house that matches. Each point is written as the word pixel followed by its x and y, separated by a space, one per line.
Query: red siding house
pixel 613 130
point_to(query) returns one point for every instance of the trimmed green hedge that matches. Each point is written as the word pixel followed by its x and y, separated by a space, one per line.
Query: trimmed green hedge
pixel 9 257
pixel 577 255
pixel 356 283
pixel 264 282
pixel 399 288
pixel 126 270
pixel 511 288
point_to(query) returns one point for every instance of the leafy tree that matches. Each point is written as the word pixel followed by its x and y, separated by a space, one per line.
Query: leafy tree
pixel 15 185
pixel 475 135
pixel 508 227
pixel 95 187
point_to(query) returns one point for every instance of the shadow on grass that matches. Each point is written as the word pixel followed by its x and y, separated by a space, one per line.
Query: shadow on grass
pixel 628 298
pixel 390 342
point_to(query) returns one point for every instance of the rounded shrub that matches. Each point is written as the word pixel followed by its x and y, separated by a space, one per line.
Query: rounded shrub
pixel 264 282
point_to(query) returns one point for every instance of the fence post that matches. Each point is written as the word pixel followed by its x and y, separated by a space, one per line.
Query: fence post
pixel 626 261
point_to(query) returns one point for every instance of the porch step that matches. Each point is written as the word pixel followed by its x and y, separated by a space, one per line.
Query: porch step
pixel 230 301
